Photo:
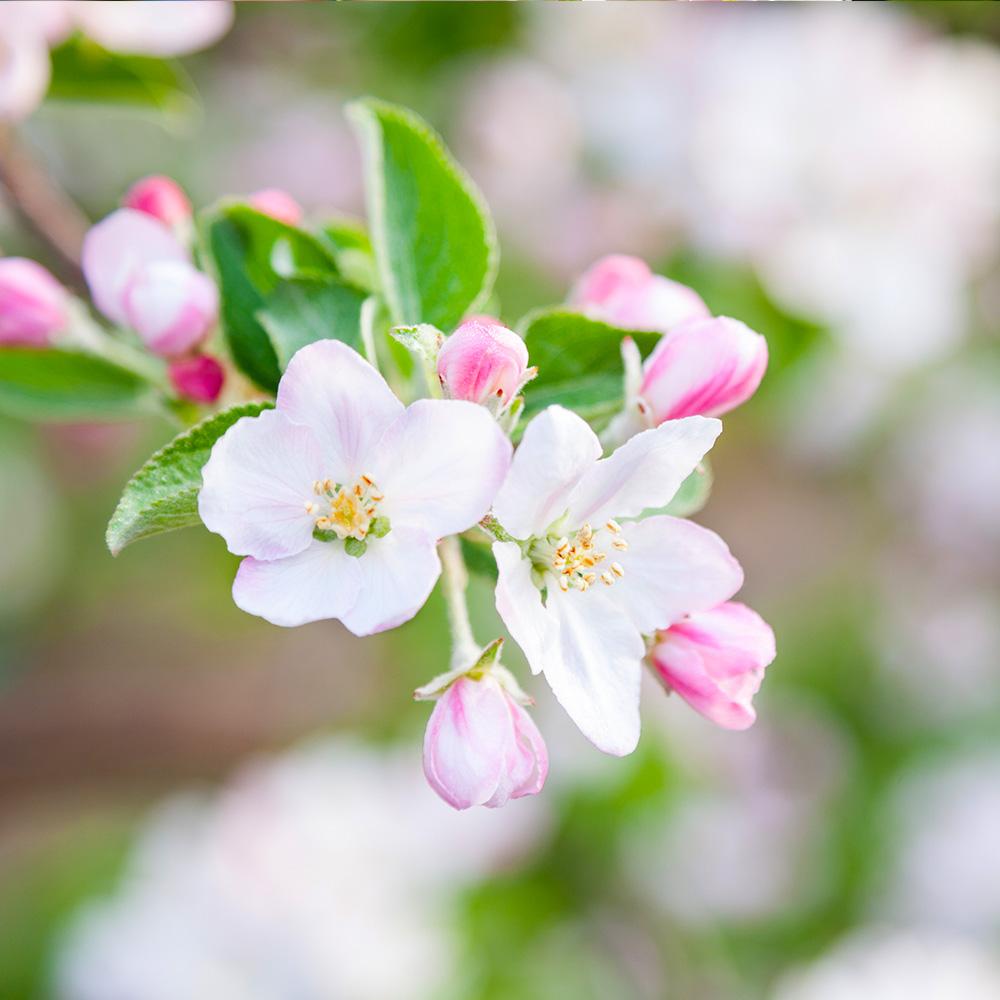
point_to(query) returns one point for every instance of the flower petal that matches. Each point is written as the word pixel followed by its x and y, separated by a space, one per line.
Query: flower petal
pixel 319 583
pixel 672 567
pixel 397 574
pixel 256 483
pixel 644 472
pixel 557 449
pixel 596 679
pixel 166 28
pixel 532 765
pixel 332 389
pixel 519 603
pixel 440 465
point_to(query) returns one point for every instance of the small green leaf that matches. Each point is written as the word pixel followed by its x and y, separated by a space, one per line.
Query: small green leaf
pixel 305 310
pixel 692 495
pixel 433 237
pixel 355 547
pixel 478 558
pixel 67 386
pixel 251 255
pixel 579 363
pixel 163 494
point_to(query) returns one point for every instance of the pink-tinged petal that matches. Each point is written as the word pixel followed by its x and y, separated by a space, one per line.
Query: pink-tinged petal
pixel 116 248
pixel 332 389
pixel 644 472
pixel 557 449
pixel 672 567
pixel 278 204
pixel 596 678
pixel 482 363
pixel 318 583
pixel 530 761
pixel 715 660
pixel 397 574
pixel 161 197
pixel 256 484
pixel 25 71
pixel 33 305
pixel 705 366
pixel 161 28
pixel 519 603
pixel 171 305
pixel 199 379
pixel 439 465
pixel 466 741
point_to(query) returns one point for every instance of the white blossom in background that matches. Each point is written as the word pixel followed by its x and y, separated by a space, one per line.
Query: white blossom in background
pixel 882 964
pixel 324 873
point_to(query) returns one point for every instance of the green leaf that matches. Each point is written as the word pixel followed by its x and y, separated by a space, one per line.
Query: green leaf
pixel 579 363
pixel 303 311
pixel 67 386
pixel 348 240
pixel 691 497
pixel 434 241
pixel 478 557
pixel 251 255
pixel 83 71
pixel 163 494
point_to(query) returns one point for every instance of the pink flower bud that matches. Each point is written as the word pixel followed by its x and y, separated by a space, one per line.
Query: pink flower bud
pixel 703 367
pixel 622 291
pixel 159 197
pixel 198 378
pixel 278 204
pixel 483 363
pixel 715 661
pixel 33 305
pixel 481 747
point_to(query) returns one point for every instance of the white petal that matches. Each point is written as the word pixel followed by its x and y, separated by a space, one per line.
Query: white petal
pixel 166 28
pixel 440 465
pixel 332 389
pixel 256 483
pixel 519 603
pixel 672 568
pixel 398 573
pixel 597 677
pixel 644 472
pixel 321 582
pixel 558 447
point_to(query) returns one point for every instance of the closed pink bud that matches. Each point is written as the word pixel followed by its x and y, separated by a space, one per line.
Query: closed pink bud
pixel 278 204
pixel 483 362
pixel 715 661
pixel 159 197
pixel 481 747
pixel 623 292
pixel 199 378
pixel 33 305
pixel 703 367
pixel 171 305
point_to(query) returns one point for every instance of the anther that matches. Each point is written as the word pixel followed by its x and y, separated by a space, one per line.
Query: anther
pixel 613 526
pixel 617 569
pixel 607 578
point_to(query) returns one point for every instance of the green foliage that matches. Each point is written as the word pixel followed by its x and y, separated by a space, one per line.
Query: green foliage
pixel 66 386
pixel 83 71
pixel 305 310
pixel 692 496
pixel 251 255
pixel 163 494
pixel 434 242
pixel 579 363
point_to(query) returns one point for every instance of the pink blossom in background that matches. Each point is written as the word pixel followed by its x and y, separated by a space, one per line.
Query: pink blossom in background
pixel 715 661
pixel 160 28
pixel 482 362
pixel 33 305
pixel 199 378
pixel 161 197
pixel 278 204
pixel 481 746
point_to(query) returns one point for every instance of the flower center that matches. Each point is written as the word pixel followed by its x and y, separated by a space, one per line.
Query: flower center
pixel 347 511
pixel 579 561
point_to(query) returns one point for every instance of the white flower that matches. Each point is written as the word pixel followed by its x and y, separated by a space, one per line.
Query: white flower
pixel 580 590
pixel 339 495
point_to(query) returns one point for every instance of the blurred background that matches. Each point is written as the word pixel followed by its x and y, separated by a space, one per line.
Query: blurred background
pixel 195 804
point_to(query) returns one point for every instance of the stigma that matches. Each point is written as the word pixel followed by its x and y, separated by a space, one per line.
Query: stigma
pixel 346 511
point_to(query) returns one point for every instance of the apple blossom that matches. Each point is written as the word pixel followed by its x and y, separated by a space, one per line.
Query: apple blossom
pixel 483 362
pixel 577 589
pixel 33 305
pixel 199 378
pixel 278 204
pixel 715 661
pixel 481 747
pixel 164 28
pixel 338 496
pixel 141 276
pixel 623 291
pixel 161 197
